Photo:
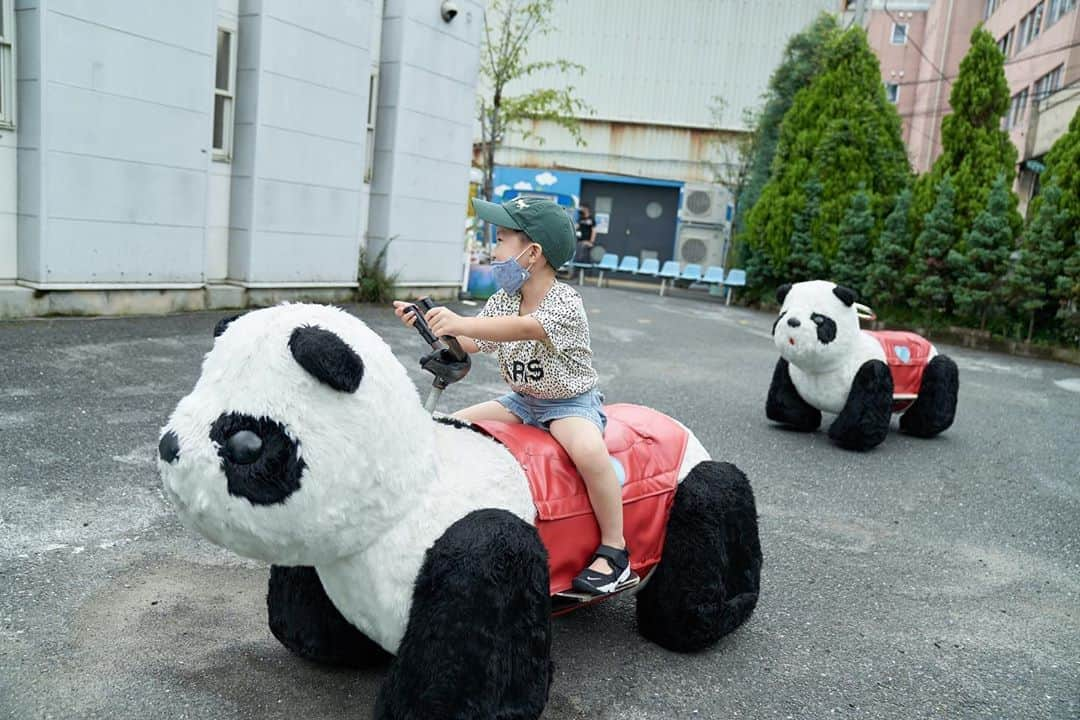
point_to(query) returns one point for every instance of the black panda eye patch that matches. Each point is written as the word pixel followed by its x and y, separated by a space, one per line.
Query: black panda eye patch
pixel 327 358
pixel 261 462
pixel 826 328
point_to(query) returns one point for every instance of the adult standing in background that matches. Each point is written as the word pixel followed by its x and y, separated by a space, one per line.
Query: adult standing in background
pixel 586 234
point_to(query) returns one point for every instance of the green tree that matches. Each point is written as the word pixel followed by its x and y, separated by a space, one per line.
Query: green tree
pixel 1068 292
pixel 843 132
pixel 980 268
pixel 801 62
pixel 803 260
pixel 1034 280
pixel 762 277
pixel 975 150
pixel 886 278
pixel 1040 287
pixel 854 254
pixel 932 278
pixel 508 27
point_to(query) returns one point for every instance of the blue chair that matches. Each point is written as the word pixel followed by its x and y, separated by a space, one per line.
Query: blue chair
pixel 670 271
pixel 609 263
pixel 713 276
pixel 650 266
pixel 736 278
pixel 629 264
pixel 691 272
pixel 581 267
pixel 586 264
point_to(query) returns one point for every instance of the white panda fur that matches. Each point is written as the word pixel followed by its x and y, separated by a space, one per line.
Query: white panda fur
pixel 823 372
pixel 382 482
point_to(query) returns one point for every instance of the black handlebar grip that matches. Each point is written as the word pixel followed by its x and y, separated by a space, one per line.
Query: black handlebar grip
pixel 422 327
pixel 451 342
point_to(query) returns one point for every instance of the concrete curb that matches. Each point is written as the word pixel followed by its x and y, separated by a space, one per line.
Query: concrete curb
pixel 977 340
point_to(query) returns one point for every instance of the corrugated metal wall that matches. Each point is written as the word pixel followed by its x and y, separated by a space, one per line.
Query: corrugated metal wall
pixel 662 62
pixel 653 151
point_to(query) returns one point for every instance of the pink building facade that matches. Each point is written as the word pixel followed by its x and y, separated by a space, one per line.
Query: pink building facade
pixel 1041 42
pixel 920 46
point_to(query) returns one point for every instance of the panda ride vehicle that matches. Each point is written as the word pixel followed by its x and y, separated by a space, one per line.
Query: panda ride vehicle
pixel 436 546
pixel 828 364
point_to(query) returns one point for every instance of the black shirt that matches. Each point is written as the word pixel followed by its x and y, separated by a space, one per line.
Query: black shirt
pixel 585 226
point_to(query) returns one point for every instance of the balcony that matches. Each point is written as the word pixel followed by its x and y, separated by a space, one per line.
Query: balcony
pixel 1050 120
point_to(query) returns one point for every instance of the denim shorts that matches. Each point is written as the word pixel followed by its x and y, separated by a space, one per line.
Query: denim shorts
pixel 539 413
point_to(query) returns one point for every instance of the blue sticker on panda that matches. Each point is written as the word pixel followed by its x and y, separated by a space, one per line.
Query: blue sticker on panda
pixel 902 352
pixel 620 471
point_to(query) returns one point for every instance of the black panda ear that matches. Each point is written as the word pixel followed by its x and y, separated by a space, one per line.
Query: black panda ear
pixel 846 295
pixel 782 291
pixel 327 358
pixel 223 324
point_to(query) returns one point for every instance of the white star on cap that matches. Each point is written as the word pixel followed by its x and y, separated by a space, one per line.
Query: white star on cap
pixel 521 204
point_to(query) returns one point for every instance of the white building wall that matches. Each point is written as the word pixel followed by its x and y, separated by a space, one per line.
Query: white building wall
pixel 373 100
pixel 423 140
pixel 110 192
pixel 28 62
pixel 298 165
pixel 9 249
pixel 113 190
pixel 219 182
pixel 9 253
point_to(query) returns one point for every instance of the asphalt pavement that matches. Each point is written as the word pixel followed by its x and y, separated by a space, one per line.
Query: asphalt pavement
pixel 925 579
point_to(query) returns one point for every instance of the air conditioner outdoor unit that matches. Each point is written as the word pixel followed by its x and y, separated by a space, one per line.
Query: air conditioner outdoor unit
pixel 701 245
pixel 705 204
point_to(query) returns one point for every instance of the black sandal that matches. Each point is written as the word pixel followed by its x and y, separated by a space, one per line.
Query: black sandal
pixel 598 583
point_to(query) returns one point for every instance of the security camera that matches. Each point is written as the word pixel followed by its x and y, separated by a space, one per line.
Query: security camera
pixel 449 10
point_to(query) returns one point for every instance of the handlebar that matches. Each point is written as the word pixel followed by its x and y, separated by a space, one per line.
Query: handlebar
pixel 419 309
pixel 445 371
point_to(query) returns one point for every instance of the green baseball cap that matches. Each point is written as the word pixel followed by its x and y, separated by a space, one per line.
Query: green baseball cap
pixel 543 221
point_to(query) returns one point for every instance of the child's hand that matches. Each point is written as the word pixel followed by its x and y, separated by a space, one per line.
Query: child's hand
pixel 403 310
pixel 444 321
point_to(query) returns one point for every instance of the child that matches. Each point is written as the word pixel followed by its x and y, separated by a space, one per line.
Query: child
pixel 539 329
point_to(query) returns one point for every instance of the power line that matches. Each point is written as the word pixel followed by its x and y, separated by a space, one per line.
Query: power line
pixel 1013 61
pixel 941 73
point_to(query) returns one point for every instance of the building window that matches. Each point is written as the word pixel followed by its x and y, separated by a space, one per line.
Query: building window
pixel 1029 28
pixel 1016 109
pixel 991 6
pixel 224 93
pixel 899 33
pixel 1005 43
pixel 372 112
pixel 892 92
pixel 1056 9
pixel 7 63
pixel 1048 84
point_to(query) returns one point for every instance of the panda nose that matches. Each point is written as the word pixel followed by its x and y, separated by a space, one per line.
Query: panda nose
pixel 243 448
pixel 793 322
pixel 169 447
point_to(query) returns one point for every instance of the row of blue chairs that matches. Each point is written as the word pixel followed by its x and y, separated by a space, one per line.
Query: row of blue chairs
pixel 670 271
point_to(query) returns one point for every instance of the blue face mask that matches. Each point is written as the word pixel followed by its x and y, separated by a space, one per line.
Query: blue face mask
pixel 509 275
